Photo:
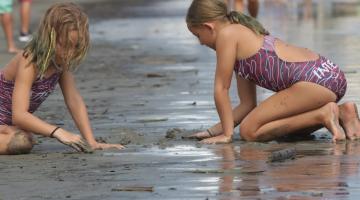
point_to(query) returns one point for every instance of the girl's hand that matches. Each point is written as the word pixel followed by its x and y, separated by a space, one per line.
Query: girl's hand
pixel 220 139
pixel 101 146
pixel 198 136
pixel 72 140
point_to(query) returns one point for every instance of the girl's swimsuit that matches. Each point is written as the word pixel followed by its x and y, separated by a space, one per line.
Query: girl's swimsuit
pixel 40 90
pixel 267 70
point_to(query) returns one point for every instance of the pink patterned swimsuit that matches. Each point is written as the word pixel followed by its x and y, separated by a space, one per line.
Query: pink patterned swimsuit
pixel 40 90
pixel 267 70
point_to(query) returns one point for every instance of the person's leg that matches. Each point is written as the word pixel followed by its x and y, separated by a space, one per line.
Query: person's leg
pixel 25 11
pixel 253 7
pixel 6 20
pixel 239 5
pixel 301 106
pixel 14 141
pixel 349 119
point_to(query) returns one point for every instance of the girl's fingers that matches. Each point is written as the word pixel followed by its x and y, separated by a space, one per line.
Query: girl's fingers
pixel 81 146
pixel 75 147
pixel 108 146
pixel 116 146
pixel 83 143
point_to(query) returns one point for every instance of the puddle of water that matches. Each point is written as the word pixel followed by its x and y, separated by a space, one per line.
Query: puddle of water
pixel 159 29
pixel 180 68
pixel 178 150
pixel 197 103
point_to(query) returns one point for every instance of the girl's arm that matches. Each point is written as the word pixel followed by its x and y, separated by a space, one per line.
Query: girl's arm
pixel 226 52
pixel 247 96
pixel 25 76
pixel 24 79
pixel 78 111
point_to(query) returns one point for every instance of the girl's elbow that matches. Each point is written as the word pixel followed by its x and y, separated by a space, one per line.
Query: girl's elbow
pixel 76 105
pixel 221 91
pixel 17 118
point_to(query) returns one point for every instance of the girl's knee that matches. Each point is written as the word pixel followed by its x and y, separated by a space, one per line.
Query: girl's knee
pixel 20 143
pixel 248 132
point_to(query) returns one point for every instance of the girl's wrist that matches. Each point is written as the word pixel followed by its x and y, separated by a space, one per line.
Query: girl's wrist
pixel 92 142
pixel 230 134
pixel 212 131
pixel 54 131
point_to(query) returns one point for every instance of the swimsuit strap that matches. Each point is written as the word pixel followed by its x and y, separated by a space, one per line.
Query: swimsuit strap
pixel 269 42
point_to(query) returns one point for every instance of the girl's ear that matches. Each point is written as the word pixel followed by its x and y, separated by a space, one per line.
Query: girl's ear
pixel 209 25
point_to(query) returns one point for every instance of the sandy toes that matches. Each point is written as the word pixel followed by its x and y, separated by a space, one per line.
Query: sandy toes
pixel 331 119
pixel 349 119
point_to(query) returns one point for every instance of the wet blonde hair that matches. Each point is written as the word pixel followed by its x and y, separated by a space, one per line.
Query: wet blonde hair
pixel 201 11
pixel 55 27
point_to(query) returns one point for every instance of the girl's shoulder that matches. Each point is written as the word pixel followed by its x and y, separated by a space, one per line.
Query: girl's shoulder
pixel 26 63
pixel 237 32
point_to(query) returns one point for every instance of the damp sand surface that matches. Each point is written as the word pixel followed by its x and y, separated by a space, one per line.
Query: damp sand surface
pixel 147 83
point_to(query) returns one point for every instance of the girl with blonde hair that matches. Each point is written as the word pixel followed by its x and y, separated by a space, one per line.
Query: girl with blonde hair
pixel 306 85
pixel 56 50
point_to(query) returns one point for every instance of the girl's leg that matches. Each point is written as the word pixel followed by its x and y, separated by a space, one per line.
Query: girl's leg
pixel 349 119
pixel 14 141
pixel 301 106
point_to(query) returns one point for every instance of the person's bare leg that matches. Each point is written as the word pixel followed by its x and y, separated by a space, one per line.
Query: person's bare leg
pixel 239 5
pixel 14 141
pixel 299 107
pixel 349 119
pixel 327 115
pixel 296 108
pixel 253 7
pixel 6 20
pixel 25 9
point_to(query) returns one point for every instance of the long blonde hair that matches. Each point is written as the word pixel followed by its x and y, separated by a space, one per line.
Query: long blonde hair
pixel 201 11
pixel 55 27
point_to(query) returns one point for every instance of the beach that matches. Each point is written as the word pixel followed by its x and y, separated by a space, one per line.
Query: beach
pixel 147 82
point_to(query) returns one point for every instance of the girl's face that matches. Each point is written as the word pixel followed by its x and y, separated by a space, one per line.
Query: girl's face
pixel 205 33
pixel 63 54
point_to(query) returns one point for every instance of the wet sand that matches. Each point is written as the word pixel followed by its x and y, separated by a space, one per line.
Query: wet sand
pixel 147 82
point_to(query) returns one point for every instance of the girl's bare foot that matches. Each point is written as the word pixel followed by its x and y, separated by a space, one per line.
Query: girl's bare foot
pixel 331 121
pixel 349 119
pixel 220 139
pixel 14 50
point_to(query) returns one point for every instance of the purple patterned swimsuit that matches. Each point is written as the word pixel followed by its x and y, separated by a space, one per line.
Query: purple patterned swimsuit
pixel 267 70
pixel 40 90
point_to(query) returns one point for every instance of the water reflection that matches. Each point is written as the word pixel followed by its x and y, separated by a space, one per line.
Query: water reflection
pixel 318 175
